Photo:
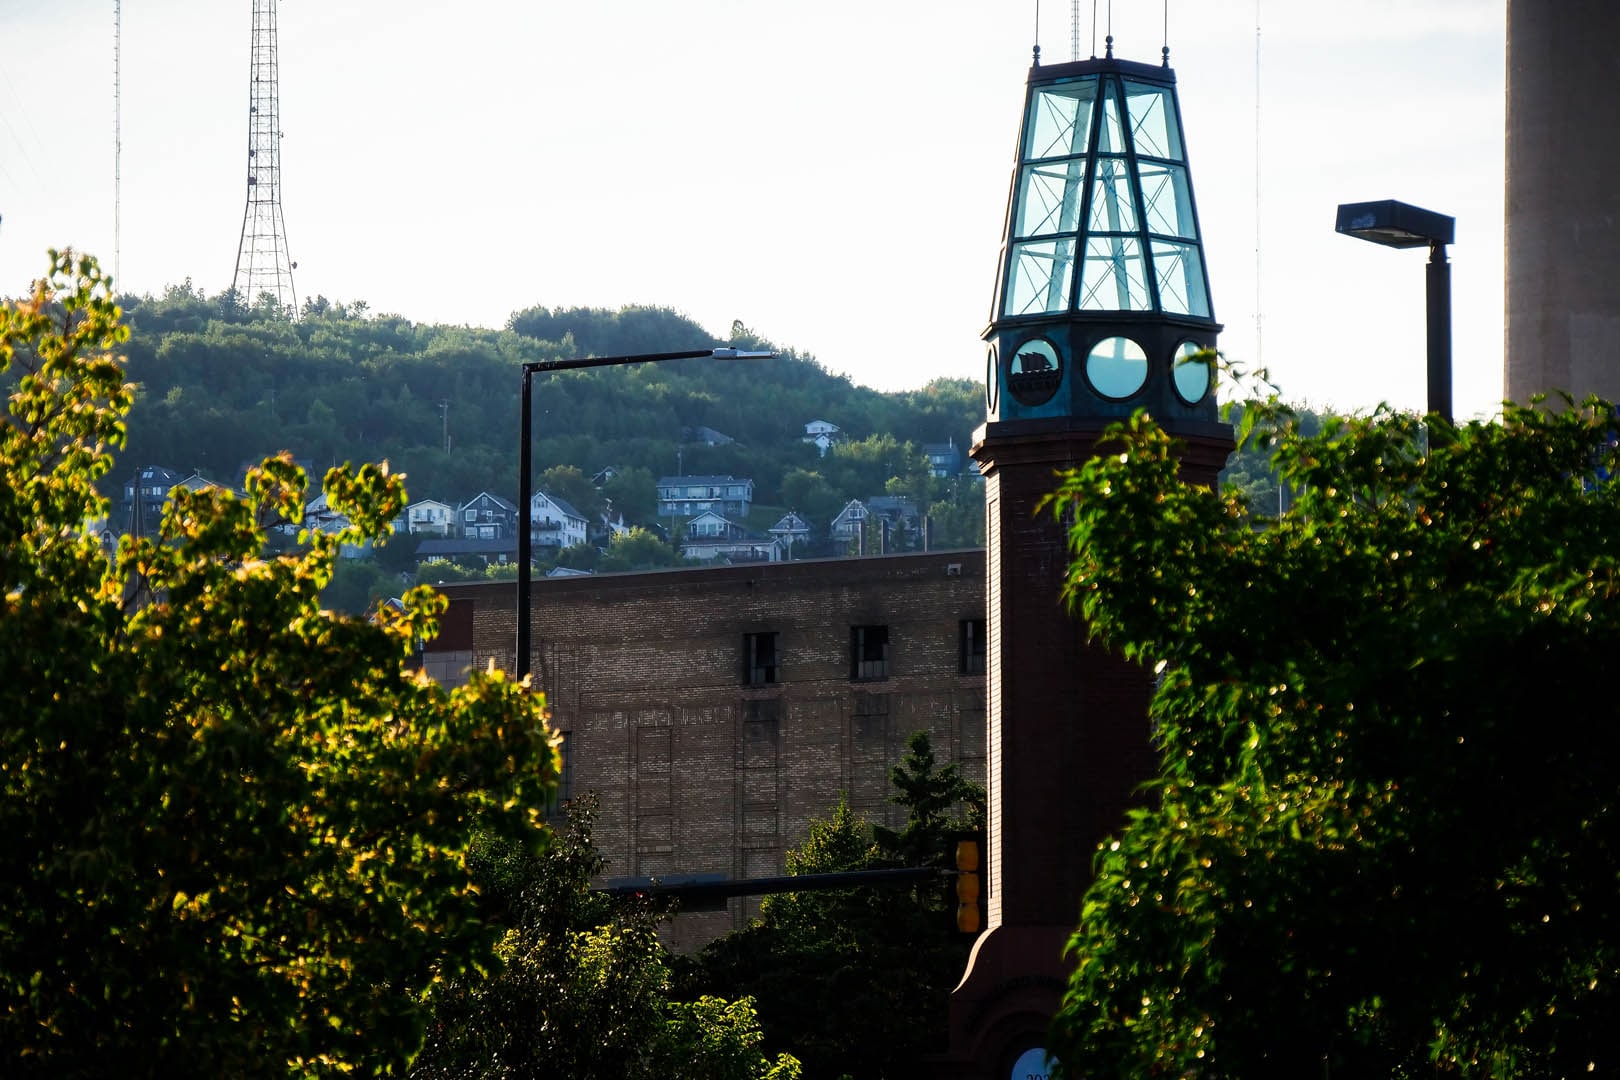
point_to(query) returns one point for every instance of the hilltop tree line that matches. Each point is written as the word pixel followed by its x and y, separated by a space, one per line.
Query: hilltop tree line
pixel 220 384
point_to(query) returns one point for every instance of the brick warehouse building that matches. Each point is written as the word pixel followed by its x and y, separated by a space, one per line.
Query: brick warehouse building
pixel 717 710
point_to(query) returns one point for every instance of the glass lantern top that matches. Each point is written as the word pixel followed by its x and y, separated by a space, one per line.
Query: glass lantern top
pixel 1102 215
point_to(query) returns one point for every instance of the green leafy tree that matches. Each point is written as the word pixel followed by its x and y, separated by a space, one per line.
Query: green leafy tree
pixel 568 483
pixel 579 557
pixel 234 825
pixel 856 982
pixel 584 990
pixel 633 492
pixel 1384 840
pixel 638 549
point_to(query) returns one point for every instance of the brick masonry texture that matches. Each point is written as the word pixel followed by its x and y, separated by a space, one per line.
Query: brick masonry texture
pixel 699 773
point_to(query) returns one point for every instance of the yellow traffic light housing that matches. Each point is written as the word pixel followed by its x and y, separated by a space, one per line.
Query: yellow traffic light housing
pixel 969 918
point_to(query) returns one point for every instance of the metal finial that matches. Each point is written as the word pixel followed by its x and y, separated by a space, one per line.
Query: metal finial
pixel 1109 40
pixel 1037 56
pixel 1167 56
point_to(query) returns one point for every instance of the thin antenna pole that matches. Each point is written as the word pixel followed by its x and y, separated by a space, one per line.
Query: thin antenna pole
pixel 118 134
pixel 1074 29
pixel 1166 33
pixel 1259 355
pixel 1094 29
pixel 1109 40
pixel 1037 33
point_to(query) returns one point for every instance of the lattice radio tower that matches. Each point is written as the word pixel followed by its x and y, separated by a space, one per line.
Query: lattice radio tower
pixel 262 262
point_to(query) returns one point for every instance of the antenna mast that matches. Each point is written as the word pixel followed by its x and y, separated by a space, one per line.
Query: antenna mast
pixel 1074 29
pixel 118 132
pixel 262 262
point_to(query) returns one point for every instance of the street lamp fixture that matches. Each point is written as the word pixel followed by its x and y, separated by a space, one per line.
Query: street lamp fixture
pixel 1401 225
pixel 525 460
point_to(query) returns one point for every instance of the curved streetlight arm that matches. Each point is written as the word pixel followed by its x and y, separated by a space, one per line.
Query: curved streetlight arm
pixel 525 463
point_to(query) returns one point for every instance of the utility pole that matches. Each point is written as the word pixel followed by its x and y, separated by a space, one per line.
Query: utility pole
pixel 444 411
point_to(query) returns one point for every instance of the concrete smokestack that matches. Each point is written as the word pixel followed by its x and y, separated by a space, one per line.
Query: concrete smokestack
pixel 1563 198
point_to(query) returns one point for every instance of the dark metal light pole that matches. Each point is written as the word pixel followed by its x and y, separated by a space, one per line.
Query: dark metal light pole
pixel 525 464
pixel 1401 225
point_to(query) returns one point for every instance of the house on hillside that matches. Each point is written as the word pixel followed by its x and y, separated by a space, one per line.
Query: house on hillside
pixel 144 494
pixel 688 496
pixel 822 433
pixel 611 524
pixel 603 475
pixel 847 525
pixel 433 550
pixel 790 529
pixel 944 459
pixel 894 509
pixel 899 522
pixel 488 517
pixel 429 517
pixel 334 523
pixel 554 523
pixel 711 536
pixel 705 435
pixel 198 482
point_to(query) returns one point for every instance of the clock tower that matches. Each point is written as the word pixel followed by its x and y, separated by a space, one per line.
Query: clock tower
pixel 1102 307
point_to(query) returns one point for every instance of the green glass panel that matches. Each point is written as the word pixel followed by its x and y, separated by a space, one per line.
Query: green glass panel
pixel 1167 201
pixel 1179 272
pixel 1059 121
pixel 1113 203
pixel 1111 139
pixel 1038 281
pixel 1154 130
pixel 1049 197
pixel 1113 277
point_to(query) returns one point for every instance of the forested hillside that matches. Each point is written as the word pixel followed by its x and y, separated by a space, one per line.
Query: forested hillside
pixel 222 384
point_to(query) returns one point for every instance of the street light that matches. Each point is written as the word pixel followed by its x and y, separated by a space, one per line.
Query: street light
pixel 1400 225
pixel 525 464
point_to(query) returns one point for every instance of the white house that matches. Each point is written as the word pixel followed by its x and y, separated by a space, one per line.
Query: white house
pixel 428 517
pixel 711 536
pixel 554 523
pixel 822 433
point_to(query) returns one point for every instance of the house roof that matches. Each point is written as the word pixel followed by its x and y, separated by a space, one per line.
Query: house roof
pixel 427 502
pixel 715 516
pixel 706 435
pixel 466 547
pixel 891 504
pixel 665 481
pixel 790 522
pixel 160 473
pixel 562 505
pixel 496 499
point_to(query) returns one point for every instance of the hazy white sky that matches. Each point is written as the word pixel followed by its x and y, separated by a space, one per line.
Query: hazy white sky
pixel 832 173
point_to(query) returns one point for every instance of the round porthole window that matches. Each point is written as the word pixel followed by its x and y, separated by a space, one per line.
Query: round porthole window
pixel 1190 377
pixel 1117 367
pixel 992 381
pixel 1035 371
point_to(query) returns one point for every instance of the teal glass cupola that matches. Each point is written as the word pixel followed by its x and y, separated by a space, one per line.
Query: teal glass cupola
pixel 1102 292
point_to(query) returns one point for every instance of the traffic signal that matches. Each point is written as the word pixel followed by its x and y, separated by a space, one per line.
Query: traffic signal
pixel 969 919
